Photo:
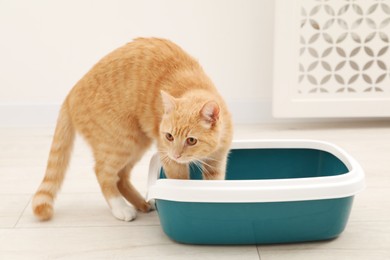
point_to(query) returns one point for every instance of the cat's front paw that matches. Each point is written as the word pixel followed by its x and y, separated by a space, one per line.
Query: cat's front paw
pixel 126 213
pixel 147 206
pixel 152 204
pixel 121 210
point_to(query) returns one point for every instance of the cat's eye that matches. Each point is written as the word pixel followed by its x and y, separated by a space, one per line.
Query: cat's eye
pixel 191 141
pixel 169 137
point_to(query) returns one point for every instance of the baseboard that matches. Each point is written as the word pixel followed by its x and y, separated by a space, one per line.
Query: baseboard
pixel 243 111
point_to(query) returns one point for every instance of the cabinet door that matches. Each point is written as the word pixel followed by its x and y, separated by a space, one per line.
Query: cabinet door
pixel 332 58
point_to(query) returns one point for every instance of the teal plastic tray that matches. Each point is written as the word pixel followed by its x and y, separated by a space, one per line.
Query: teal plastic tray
pixel 276 191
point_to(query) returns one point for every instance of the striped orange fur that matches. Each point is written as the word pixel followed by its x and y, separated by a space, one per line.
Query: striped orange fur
pixel 55 172
pixel 146 91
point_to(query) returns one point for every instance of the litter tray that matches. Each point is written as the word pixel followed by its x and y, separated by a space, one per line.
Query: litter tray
pixel 276 191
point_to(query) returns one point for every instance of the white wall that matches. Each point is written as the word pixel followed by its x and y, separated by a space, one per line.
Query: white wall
pixel 46 46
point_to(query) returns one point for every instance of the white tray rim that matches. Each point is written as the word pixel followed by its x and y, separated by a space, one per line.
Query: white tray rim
pixel 252 191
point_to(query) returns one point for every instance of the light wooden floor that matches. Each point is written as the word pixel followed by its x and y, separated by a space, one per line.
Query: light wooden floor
pixel 83 227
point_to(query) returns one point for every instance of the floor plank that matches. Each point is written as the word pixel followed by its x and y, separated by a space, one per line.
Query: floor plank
pixel 83 226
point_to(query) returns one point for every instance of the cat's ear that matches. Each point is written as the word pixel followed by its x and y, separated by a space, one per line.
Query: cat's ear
pixel 210 112
pixel 168 102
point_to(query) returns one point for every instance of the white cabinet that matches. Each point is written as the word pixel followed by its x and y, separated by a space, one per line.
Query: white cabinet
pixel 332 58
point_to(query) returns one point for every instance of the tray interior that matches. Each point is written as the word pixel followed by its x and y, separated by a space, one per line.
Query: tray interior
pixel 278 163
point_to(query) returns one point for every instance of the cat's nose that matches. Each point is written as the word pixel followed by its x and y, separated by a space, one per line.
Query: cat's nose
pixel 177 156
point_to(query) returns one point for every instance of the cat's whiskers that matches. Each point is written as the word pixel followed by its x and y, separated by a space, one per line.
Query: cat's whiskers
pixel 211 159
pixel 203 161
pixel 198 162
pixel 194 165
pixel 199 165
pixel 164 157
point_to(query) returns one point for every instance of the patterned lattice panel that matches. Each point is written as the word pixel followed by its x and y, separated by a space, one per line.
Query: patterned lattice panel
pixel 332 58
pixel 344 47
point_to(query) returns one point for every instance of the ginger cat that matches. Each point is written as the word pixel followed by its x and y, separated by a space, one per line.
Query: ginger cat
pixel 148 90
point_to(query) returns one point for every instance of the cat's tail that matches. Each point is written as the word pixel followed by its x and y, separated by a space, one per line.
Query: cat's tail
pixel 57 164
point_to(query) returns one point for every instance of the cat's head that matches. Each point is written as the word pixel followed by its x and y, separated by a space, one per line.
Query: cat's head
pixel 190 128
